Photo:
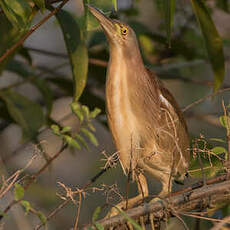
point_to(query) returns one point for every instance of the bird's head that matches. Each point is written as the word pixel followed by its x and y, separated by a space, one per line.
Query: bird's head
pixel 117 33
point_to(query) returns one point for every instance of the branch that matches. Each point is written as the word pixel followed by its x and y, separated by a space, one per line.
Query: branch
pixel 34 177
pixel 93 61
pixel 199 198
pixel 34 28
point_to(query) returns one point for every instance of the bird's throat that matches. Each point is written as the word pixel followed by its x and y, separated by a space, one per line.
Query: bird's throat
pixel 121 117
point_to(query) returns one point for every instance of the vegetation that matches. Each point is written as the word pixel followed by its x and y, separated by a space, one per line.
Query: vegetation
pixel 183 46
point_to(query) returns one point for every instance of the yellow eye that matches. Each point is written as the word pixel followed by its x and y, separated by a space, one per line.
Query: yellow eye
pixel 124 30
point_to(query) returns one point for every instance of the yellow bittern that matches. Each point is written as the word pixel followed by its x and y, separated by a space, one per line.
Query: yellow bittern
pixel 147 125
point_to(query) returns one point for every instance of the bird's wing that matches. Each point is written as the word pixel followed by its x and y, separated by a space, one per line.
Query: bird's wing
pixel 169 98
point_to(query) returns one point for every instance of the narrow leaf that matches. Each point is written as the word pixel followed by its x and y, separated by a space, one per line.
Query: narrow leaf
pixel 219 150
pixel 96 213
pixel 76 109
pixel 223 4
pixel 70 141
pixel 9 36
pixel 90 135
pixel 81 140
pixel 133 222
pixel 212 41
pixel 25 112
pixel 218 140
pixel 85 109
pixel 42 217
pixel 18 192
pixel 99 226
pixel 90 21
pixel 25 54
pixel 169 7
pixel 40 4
pixel 26 205
pixel 77 51
pixel 225 121
pixel 56 130
pixel 115 4
pixel 66 129
pixel 95 112
pixel 41 84
pixel 18 12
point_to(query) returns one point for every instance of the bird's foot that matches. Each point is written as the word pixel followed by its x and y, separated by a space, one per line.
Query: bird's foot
pixel 115 210
pixel 152 217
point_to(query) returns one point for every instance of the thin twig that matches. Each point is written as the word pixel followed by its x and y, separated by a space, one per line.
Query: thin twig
pixel 93 61
pixel 204 98
pixel 201 217
pixel 219 225
pixel 33 178
pixel 62 205
pixel 78 212
pixel 34 28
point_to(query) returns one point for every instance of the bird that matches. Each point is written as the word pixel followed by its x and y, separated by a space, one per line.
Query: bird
pixel 147 125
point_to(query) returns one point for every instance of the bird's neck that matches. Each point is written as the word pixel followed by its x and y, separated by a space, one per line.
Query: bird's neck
pixel 125 63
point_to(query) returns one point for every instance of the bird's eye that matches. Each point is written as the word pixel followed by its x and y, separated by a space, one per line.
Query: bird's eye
pixel 124 30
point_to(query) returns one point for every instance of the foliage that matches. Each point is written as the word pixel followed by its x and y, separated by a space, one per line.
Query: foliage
pixel 172 50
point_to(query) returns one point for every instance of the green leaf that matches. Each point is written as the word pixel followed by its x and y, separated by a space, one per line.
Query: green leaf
pixel 195 167
pixel 40 4
pixel 18 192
pixel 46 92
pixel 81 140
pixel 85 109
pixel 91 127
pixel 225 121
pixel 133 222
pixel 56 130
pixel 3 214
pixel 66 129
pixel 26 205
pixel 96 213
pixel 115 4
pixel 95 112
pixel 106 6
pixel 99 226
pixel 42 217
pixel 90 228
pixel 77 51
pixel 169 8
pixel 9 36
pixel 76 109
pixel 25 112
pixel 219 150
pixel 25 54
pixel 70 141
pixel 212 41
pixel 218 140
pixel 41 84
pixel 90 135
pixel 18 12
pixel 223 5
pixel 64 84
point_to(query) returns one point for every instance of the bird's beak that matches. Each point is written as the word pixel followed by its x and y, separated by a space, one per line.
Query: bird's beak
pixel 107 24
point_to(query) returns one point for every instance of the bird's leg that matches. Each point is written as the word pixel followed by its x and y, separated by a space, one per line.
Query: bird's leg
pixel 143 192
pixel 166 182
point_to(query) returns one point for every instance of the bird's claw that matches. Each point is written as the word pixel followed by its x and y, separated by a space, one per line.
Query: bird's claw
pixel 151 215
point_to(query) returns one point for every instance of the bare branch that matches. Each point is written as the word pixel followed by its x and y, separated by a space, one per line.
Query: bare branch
pixel 205 196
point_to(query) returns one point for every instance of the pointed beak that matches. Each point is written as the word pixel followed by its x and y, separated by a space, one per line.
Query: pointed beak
pixel 107 24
